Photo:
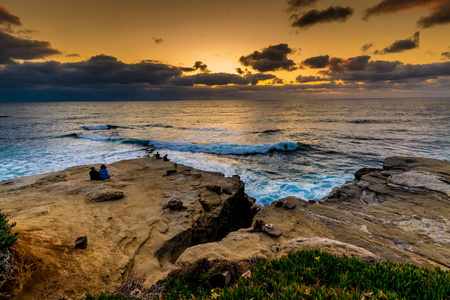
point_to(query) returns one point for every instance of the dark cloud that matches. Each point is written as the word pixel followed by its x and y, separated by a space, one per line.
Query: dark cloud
pixel 312 17
pixel 7 18
pixel 239 71
pixel 157 40
pixel 439 16
pixel 12 48
pixel 271 58
pixel 73 55
pixel 360 69
pixel 305 79
pixel 440 10
pixel 366 47
pixel 446 55
pixel 198 65
pixel 402 45
pixel 294 5
pixel 316 62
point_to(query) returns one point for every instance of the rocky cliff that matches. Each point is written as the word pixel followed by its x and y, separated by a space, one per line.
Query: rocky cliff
pixel 400 212
pixel 138 222
pixel 153 216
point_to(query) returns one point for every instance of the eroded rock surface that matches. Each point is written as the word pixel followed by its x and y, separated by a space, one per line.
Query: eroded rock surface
pixel 370 217
pixel 131 235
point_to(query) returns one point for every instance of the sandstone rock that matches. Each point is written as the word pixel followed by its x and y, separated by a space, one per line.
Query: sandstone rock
pixel 81 242
pixel 125 237
pixel 288 205
pixel 272 230
pixel 106 196
pixel 428 181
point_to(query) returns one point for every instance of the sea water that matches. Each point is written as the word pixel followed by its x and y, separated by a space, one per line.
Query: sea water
pixel 298 148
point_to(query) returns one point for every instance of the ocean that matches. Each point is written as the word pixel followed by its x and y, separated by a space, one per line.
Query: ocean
pixel 300 148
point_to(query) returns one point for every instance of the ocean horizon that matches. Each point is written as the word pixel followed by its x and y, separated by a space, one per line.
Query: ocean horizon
pixel 279 148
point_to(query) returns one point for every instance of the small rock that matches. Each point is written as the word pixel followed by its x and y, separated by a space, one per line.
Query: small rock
pixel 175 204
pixel 272 230
pixel 312 201
pixel 81 242
pixel 277 203
pixel 107 196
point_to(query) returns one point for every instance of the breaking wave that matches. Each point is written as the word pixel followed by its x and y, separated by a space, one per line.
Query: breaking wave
pixel 212 148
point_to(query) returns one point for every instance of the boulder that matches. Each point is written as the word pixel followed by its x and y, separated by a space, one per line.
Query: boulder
pixel 272 230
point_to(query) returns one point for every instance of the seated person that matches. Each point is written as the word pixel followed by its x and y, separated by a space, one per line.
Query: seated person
pixel 94 174
pixel 104 173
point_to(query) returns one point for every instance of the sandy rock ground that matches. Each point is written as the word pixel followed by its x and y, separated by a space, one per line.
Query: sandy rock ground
pixel 129 233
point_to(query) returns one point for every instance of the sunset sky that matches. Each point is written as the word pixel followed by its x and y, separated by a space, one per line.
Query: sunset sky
pixel 210 49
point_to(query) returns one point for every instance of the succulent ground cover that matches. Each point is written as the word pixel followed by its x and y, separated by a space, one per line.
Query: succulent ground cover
pixel 312 274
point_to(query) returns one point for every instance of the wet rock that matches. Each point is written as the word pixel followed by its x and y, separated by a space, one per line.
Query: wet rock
pixel 107 196
pixel 312 201
pixel 360 173
pixel 81 242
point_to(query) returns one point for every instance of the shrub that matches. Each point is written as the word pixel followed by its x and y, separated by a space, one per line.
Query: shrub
pixel 7 238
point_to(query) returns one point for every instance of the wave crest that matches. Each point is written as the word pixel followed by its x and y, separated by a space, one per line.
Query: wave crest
pixel 212 148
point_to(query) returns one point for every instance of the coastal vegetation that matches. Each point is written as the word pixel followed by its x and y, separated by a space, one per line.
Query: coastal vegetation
pixel 312 274
pixel 7 240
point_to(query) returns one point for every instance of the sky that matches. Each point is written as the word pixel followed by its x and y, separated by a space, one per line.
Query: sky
pixel 59 50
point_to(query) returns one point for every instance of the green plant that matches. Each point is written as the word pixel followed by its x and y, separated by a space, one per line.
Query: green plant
pixel 312 274
pixel 7 238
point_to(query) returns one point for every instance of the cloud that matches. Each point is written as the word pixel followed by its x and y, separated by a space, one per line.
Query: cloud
pixel 366 47
pixel 73 55
pixel 361 69
pixel 271 58
pixel 312 17
pixel 401 45
pixel 157 40
pixel 316 62
pixel 439 16
pixel 446 55
pixel 440 10
pixel 12 48
pixel 198 65
pixel 7 18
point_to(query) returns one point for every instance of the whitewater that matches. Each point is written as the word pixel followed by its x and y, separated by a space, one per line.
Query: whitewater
pixel 300 148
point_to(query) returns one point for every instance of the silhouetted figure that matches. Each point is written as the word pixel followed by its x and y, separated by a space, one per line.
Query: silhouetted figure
pixel 104 173
pixel 165 158
pixel 157 156
pixel 94 174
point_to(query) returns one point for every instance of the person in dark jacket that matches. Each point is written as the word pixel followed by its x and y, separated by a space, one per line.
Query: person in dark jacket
pixel 104 173
pixel 94 174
